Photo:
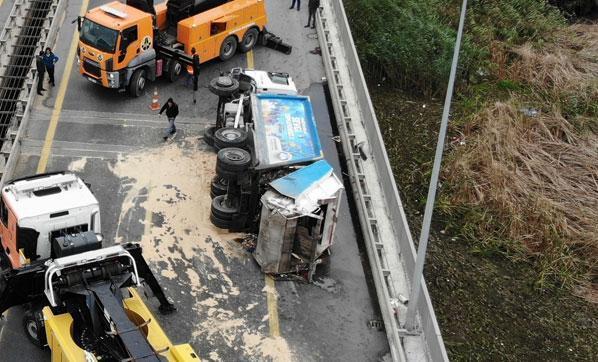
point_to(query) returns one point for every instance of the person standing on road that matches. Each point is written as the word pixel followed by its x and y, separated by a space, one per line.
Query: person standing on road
pixel 312 7
pixel 41 71
pixel 172 110
pixel 49 60
pixel 195 73
pixel 298 4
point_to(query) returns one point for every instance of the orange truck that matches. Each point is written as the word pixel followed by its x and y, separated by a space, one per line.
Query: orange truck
pixel 123 45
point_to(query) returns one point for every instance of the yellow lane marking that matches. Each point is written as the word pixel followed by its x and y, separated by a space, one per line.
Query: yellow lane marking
pixel 250 59
pixel 271 295
pixel 272 299
pixel 45 154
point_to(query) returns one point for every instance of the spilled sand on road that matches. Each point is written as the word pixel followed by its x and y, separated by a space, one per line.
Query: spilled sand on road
pixel 78 165
pixel 172 184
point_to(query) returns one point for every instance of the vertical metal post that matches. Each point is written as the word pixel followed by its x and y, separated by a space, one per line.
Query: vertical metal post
pixel 417 280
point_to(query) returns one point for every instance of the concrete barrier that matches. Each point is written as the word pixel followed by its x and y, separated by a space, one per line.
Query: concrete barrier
pixel 387 236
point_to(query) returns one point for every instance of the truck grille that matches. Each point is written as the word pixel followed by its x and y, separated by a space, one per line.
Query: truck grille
pixel 92 68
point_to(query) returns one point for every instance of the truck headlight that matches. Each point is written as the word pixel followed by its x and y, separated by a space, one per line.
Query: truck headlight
pixel 113 79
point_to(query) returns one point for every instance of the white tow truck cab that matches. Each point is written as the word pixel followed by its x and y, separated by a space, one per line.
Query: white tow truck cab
pixel 36 210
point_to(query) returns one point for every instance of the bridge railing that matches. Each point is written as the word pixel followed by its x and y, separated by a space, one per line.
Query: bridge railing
pixel 386 232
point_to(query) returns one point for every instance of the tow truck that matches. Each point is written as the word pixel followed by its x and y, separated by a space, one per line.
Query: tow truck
pixel 271 178
pixel 81 299
pixel 121 45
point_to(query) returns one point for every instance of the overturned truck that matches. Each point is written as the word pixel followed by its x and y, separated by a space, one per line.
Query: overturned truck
pixel 271 179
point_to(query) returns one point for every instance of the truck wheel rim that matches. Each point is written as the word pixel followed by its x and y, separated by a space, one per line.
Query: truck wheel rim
pixel 231 136
pixel 177 69
pixel 141 83
pixel 228 47
pixel 32 329
pixel 249 40
pixel 234 155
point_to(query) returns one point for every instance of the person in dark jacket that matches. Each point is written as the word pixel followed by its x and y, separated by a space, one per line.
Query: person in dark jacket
pixel 172 110
pixel 312 7
pixel 298 4
pixel 49 60
pixel 195 73
pixel 41 71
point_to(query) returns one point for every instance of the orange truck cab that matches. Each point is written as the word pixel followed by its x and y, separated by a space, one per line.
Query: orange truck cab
pixel 123 45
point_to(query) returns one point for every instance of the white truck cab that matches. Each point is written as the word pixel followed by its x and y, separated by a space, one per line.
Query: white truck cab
pixel 268 82
pixel 37 209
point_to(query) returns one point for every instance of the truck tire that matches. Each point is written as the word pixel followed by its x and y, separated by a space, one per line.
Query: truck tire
pixel 137 83
pixel 249 40
pixel 227 174
pixel 33 324
pixel 228 48
pixel 220 223
pixel 221 208
pixel 174 70
pixel 223 86
pixel 233 159
pixel 208 136
pixel 230 137
pixel 219 186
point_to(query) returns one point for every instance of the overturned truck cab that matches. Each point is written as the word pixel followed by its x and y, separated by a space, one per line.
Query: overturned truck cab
pixel 298 220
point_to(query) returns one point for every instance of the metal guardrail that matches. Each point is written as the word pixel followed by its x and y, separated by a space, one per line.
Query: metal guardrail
pixel 387 236
pixel 11 148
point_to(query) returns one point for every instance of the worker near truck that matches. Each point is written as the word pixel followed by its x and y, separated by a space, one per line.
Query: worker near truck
pixel 298 4
pixel 41 71
pixel 172 110
pixel 195 69
pixel 49 60
pixel 312 7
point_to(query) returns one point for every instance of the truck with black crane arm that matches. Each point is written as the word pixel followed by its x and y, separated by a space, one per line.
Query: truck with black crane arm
pixel 81 299
pixel 122 45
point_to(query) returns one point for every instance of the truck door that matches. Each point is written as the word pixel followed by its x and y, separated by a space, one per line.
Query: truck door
pixel 128 46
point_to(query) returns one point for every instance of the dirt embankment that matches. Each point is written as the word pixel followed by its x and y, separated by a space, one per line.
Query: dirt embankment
pixel 514 225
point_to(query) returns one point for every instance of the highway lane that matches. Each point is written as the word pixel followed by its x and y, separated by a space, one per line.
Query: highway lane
pixel 152 193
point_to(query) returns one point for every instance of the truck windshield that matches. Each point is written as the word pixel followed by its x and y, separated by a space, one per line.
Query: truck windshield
pixel 98 36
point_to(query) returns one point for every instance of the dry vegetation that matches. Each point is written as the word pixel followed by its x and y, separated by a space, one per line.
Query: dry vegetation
pixel 529 182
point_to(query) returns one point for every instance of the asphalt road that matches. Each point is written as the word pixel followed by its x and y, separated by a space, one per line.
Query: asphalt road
pixel 155 193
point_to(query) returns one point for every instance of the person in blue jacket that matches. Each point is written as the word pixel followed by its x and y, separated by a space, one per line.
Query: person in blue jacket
pixel 49 60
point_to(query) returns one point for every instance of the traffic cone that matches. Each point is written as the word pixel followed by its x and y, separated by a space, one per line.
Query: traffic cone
pixel 155 106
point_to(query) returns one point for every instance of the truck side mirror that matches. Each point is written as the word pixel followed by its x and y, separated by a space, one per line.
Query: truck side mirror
pixel 78 21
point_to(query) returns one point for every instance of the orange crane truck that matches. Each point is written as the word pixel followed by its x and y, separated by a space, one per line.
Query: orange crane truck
pixel 122 45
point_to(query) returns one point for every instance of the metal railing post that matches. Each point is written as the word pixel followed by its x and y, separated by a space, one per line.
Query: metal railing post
pixel 417 280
